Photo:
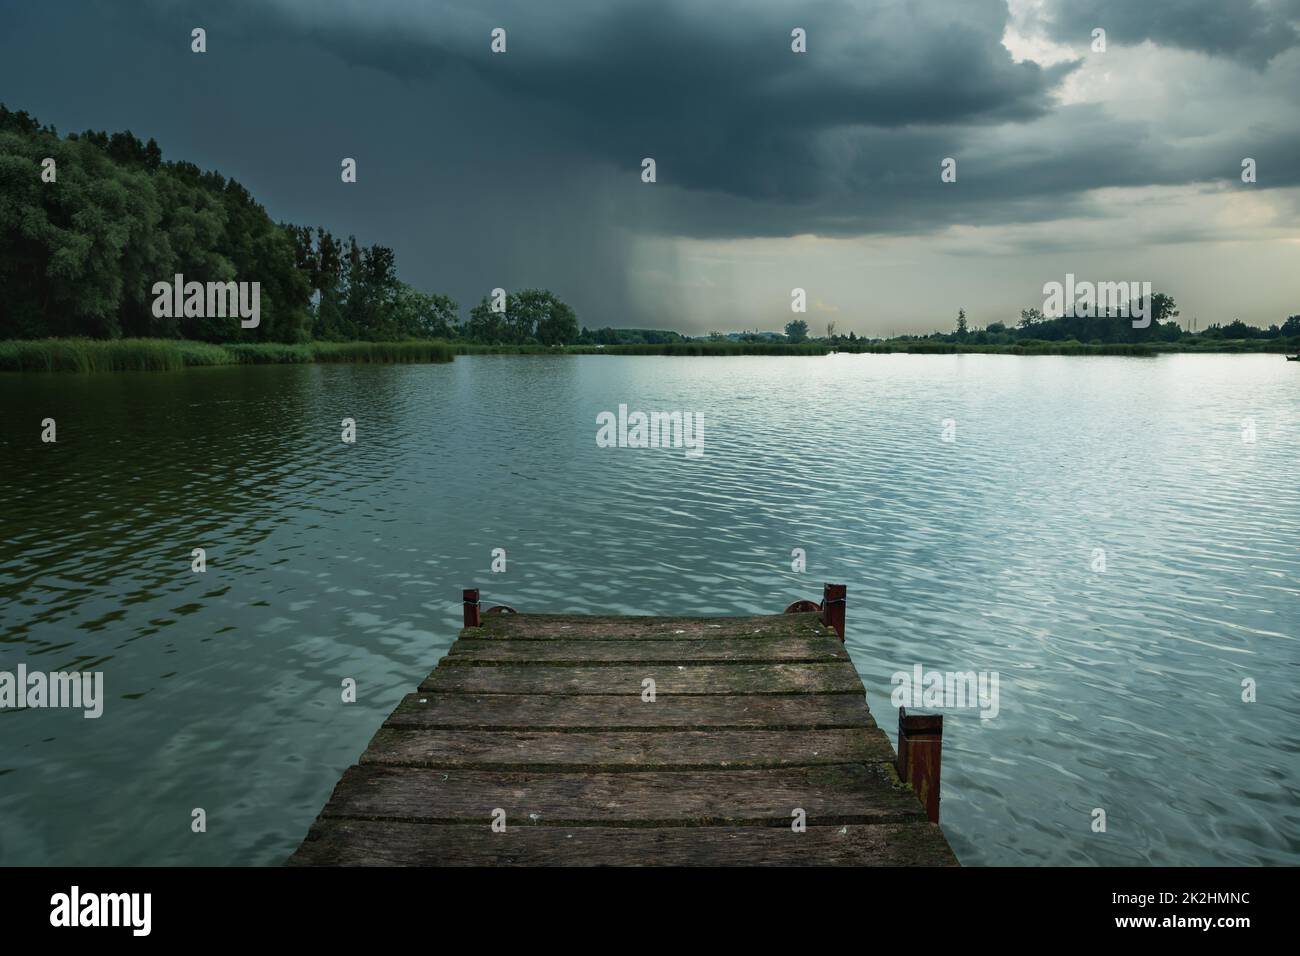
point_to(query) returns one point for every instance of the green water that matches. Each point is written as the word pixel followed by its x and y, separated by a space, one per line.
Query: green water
pixel 1118 690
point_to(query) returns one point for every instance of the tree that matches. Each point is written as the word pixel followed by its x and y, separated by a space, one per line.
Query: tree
pixel 1163 307
pixel 485 325
pixel 422 315
pixel 1030 317
pixel 796 331
pixel 329 281
pixel 539 314
pixel 961 323
pixel 531 316
pixel 1237 329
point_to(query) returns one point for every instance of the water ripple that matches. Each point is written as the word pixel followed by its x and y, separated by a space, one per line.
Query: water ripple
pixel 1119 690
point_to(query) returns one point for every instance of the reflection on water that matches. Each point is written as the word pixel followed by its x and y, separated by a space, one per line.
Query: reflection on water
pixel 326 561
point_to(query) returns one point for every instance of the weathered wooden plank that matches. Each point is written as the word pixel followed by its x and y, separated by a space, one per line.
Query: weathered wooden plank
pixel 542 717
pixel 613 751
pixel 542 627
pixel 615 712
pixel 830 795
pixel 385 843
pixel 722 650
pixel 838 678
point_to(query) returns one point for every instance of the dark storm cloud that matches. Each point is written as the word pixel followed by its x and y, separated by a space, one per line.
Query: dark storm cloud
pixel 1251 31
pixel 753 140
pixel 749 138
pixel 713 92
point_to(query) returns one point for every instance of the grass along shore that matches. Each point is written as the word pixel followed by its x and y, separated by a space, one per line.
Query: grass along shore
pixel 912 347
pixel 160 355
pixel 810 348
pixel 665 348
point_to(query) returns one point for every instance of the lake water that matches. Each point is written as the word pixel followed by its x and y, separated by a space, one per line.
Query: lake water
pixel 1119 690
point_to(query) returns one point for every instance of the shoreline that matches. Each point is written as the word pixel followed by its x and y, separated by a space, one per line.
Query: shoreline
pixel 143 354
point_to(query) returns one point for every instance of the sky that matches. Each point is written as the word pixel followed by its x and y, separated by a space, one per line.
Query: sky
pixel 775 170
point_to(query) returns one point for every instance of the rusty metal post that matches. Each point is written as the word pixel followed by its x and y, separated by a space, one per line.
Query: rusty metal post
pixel 833 598
pixel 472 618
pixel 920 744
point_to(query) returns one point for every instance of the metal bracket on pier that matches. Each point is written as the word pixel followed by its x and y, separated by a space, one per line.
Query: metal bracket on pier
pixel 802 607
pixel 834 597
pixel 831 607
pixel 472 617
pixel 473 608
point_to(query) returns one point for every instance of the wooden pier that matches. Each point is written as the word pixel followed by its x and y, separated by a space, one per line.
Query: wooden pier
pixel 559 739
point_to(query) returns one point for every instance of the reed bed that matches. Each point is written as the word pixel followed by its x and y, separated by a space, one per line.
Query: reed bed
pixel 163 355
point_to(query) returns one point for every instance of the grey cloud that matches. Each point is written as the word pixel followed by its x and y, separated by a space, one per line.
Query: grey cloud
pixel 714 92
pixel 751 139
pixel 1251 31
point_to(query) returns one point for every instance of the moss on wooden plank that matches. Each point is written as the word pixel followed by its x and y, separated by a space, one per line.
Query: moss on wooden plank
pixel 832 795
pixel 611 628
pixel 382 843
pixel 623 750
pixel 838 678
pixel 722 650
pixel 627 712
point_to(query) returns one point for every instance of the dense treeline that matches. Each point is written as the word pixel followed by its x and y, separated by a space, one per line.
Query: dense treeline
pixel 83 242
pixel 80 255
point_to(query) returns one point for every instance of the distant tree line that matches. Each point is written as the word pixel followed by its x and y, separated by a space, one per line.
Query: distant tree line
pixel 1110 328
pixel 79 256
pixel 751 337
pixel 610 336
